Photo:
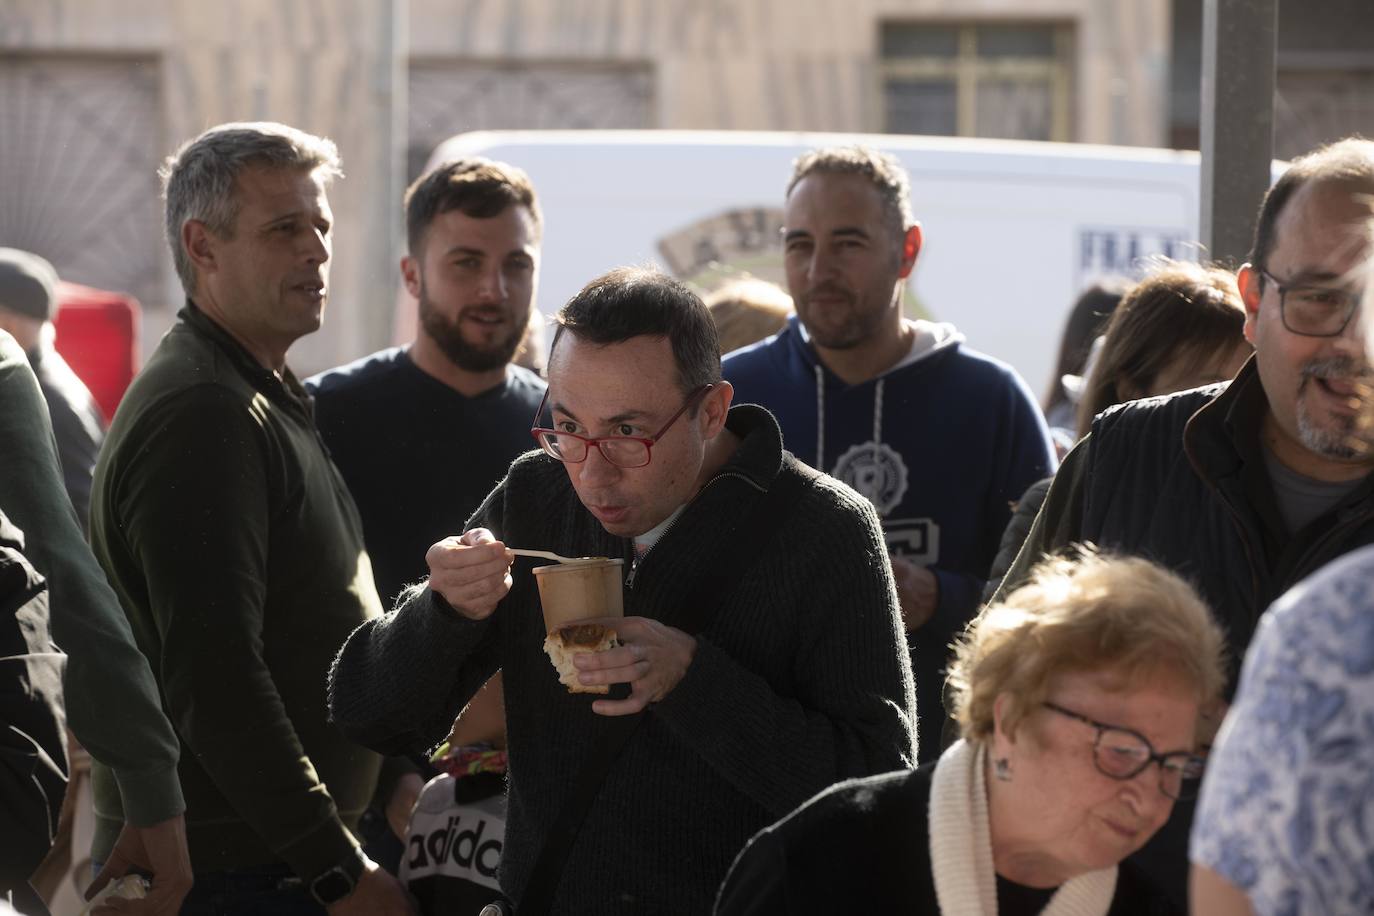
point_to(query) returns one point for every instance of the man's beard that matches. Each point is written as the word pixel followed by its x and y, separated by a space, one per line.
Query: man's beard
pixel 860 327
pixel 1345 439
pixel 448 336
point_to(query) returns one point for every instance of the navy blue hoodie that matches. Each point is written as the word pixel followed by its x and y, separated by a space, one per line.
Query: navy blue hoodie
pixel 943 444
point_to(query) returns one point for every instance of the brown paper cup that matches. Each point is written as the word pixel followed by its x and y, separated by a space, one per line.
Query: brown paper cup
pixel 570 592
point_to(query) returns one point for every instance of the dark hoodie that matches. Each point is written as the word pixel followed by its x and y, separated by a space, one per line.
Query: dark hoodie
pixel 942 443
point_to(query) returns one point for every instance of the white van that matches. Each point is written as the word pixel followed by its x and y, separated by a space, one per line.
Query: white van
pixel 1013 230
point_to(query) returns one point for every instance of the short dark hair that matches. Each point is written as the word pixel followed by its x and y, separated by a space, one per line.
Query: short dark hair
pixel 1180 311
pixel 477 187
pixel 1350 160
pixel 880 169
pixel 639 302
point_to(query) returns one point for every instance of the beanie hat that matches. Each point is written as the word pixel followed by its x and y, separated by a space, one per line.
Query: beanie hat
pixel 28 284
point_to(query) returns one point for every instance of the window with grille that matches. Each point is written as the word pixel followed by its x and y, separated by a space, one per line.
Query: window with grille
pixel 1004 80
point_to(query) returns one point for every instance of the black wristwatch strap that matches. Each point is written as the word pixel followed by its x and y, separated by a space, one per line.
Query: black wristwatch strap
pixel 338 882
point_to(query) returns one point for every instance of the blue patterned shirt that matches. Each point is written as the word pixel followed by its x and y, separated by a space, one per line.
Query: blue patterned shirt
pixel 1287 807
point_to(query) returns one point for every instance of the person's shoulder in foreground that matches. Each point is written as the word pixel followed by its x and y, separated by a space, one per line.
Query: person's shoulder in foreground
pixel 863 845
pixel 33 752
pixel 104 669
pixel 1289 786
pixel 859 846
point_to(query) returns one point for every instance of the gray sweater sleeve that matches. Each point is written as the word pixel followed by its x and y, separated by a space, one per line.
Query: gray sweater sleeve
pixel 112 699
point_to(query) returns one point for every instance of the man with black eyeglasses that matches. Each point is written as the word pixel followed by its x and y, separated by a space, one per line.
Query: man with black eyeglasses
pixel 763 685
pixel 1246 487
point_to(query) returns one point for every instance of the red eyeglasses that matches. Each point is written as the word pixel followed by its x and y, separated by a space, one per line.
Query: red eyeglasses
pixel 621 451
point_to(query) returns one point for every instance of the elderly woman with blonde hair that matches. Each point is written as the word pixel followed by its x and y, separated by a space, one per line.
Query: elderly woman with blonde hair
pixel 1078 699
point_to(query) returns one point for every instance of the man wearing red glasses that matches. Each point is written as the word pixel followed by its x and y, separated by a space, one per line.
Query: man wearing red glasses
pixel 1246 487
pixel 791 675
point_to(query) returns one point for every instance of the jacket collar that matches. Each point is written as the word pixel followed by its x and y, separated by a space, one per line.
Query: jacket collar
pixel 1224 434
pixel 757 461
pixel 759 455
pixel 708 524
pixel 287 389
pixel 1223 442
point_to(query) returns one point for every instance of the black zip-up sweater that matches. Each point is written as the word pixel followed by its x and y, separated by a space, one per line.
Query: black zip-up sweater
pixel 800 679
pixel 1181 480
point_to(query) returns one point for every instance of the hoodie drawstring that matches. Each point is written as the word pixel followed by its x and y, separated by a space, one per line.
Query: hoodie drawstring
pixel 878 414
pixel 820 417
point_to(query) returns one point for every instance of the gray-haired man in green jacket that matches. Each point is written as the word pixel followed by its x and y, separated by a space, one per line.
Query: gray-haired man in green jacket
pixel 233 544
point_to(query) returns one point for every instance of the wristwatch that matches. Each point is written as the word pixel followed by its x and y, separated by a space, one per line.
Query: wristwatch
pixel 338 882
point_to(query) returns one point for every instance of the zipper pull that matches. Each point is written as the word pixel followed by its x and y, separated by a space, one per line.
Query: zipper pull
pixel 635 557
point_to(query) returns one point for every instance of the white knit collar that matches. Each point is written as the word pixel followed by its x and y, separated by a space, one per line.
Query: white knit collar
pixel 961 846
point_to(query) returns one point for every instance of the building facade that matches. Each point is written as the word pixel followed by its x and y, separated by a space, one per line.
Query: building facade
pixel 94 93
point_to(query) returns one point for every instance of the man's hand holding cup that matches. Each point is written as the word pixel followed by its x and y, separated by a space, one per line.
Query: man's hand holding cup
pixel 471 573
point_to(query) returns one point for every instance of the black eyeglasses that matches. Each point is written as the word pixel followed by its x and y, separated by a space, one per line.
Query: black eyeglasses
pixel 621 451
pixel 1123 754
pixel 1313 310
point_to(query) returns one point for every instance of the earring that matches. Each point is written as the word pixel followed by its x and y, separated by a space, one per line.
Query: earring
pixel 1001 768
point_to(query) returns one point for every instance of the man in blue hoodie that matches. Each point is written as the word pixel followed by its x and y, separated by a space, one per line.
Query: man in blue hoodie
pixel 940 438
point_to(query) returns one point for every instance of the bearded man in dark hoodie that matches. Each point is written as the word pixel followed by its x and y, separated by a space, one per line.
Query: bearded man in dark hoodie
pixel 940 438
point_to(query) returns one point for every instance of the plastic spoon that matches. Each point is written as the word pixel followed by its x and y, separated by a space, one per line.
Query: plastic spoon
pixel 550 555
